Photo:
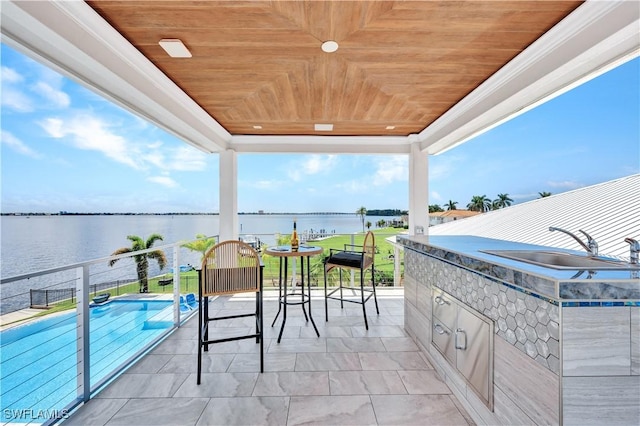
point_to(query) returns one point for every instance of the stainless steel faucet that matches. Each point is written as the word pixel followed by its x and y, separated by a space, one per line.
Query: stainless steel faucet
pixel 634 253
pixel 591 247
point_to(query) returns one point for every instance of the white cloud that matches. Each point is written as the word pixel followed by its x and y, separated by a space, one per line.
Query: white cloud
pixel 318 163
pixel 566 184
pixel 391 169
pixel 311 165
pixel 47 88
pixel 90 133
pixel 16 100
pixel 181 158
pixel 386 170
pixel 16 144
pixel 53 126
pixel 163 180
pixel 156 158
pixel 435 196
pixel 9 75
pixel 187 158
pixel 57 98
pixel 264 184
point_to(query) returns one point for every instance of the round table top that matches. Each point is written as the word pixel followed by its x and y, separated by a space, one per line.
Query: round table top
pixel 285 251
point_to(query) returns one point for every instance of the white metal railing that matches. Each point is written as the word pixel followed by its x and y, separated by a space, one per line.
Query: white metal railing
pixel 82 277
pixel 33 375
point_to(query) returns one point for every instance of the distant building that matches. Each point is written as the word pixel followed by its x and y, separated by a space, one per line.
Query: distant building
pixel 437 218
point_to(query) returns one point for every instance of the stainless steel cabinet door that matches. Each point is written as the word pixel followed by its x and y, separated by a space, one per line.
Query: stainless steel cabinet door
pixel 444 308
pixel 442 338
pixel 472 350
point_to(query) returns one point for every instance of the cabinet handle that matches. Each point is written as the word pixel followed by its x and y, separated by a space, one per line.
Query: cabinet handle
pixel 440 330
pixel 441 301
pixel 464 334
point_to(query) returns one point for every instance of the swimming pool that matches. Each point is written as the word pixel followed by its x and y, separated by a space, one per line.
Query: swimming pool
pixel 38 361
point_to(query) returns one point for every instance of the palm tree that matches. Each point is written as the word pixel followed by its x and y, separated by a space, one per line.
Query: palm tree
pixel 544 194
pixel 202 244
pixel 479 203
pixel 381 223
pixel 142 260
pixel 362 212
pixel 434 208
pixel 451 205
pixel 368 225
pixel 502 201
pixel 283 240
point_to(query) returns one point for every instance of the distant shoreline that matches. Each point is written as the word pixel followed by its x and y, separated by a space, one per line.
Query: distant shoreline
pixel 371 213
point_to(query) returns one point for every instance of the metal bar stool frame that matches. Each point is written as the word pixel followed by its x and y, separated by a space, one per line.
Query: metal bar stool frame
pixel 228 268
pixel 362 260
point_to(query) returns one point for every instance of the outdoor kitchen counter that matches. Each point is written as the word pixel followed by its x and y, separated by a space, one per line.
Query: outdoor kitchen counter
pixel 565 346
pixel 601 285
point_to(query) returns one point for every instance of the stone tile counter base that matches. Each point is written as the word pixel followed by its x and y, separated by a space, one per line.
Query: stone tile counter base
pixel 555 361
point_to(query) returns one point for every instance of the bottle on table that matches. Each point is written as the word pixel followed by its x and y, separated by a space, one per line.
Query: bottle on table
pixel 294 238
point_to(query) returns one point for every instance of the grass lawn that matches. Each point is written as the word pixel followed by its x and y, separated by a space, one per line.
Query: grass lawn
pixel 383 259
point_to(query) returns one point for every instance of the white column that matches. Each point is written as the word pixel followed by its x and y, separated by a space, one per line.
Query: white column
pixel 228 195
pixel 418 189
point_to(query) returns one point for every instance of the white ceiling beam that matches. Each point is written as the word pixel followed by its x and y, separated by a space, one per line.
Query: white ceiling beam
pixel 595 38
pixel 71 38
pixel 322 144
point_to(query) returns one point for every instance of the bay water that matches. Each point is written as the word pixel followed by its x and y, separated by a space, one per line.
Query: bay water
pixel 35 243
pixel 30 244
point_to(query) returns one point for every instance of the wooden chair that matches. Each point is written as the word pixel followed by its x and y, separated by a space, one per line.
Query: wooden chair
pixel 229 267
pixel 349 258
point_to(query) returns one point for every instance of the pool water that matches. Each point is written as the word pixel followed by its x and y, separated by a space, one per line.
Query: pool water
pixel 38 361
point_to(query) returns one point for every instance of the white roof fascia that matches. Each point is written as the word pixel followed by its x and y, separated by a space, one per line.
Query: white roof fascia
pixel 596 37
pixel 306 144
pixel 71 38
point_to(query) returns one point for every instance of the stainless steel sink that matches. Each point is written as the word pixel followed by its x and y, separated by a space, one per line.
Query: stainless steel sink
pixel 562 260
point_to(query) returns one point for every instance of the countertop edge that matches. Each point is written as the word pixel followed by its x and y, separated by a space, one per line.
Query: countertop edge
pixel 568 291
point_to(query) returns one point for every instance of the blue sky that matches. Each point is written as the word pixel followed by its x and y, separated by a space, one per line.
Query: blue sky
pixel 65 148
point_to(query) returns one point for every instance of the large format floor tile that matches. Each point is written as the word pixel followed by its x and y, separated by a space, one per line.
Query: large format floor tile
pixel 347 376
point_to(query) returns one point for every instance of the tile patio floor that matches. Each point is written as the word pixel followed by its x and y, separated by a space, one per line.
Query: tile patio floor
pixel 347 376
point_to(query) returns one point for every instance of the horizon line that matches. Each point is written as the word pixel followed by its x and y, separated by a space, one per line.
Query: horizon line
pixel 180 213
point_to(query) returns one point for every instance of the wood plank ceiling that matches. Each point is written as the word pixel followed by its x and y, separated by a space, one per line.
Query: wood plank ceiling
pixel 400 64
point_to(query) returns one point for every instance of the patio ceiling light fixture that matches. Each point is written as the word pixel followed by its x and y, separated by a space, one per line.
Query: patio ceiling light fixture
pixel 324 127
pixel 329 46
pixel 174 48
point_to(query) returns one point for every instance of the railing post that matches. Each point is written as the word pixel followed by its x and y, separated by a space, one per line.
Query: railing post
pixel 82 340
pixel 176 287
pixel 396 265
pixel 353 273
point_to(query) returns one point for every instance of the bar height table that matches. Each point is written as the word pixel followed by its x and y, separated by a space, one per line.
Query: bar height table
pixel 284 253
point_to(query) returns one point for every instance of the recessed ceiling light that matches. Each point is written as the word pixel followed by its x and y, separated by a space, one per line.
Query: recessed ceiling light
pixel 257 127
pixel 391 127
pixel 324 127
pixel 329 46
pixel 174 48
